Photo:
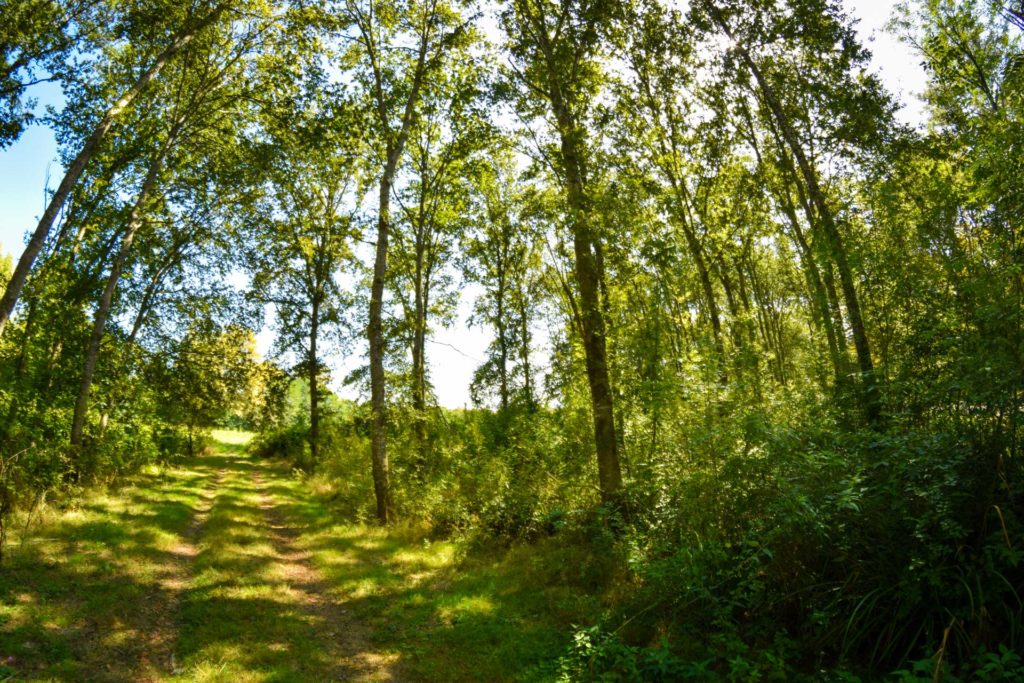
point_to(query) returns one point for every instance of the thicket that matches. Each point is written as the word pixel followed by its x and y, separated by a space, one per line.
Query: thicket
pixel 756 344
pixel 770 551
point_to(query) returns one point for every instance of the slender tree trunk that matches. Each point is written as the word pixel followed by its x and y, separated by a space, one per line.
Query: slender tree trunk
pixel 620 422
pixel 419 342
pixel 92 144
pixel 503 344
pixel 103 309
pixel 709 298
pixel 419 400
pixel 592 320
pixel 524 351
pixel 140 317
pixel 375 334
pixel 751 322
pixel 419 363
pixel 375 331
pixel 19 369
pixel 825 310
pixel 314 392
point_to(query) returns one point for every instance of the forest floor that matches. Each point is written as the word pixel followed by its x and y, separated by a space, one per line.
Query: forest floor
pixel 225 568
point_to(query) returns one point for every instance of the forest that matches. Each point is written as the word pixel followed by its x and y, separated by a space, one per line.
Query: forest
pixel 752 401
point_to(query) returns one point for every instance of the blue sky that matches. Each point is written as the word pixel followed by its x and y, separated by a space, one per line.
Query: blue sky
pixel 24 170
pixel 26 166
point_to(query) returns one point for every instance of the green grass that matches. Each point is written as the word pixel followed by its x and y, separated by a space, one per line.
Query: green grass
pixel 227 569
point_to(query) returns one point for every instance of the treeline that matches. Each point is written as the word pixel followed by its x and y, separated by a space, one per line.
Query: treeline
pixel 755 342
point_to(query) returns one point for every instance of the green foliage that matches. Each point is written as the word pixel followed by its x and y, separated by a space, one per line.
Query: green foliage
pixel 803 321
pixel 599 656
pixel 6 266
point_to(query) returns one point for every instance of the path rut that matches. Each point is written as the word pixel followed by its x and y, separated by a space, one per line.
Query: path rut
pixel 346 639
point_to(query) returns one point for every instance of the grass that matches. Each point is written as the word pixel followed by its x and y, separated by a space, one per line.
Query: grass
pixel 223 568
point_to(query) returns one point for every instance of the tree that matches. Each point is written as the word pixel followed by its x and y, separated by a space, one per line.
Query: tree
pixel 394 81
pixel 206 374
pixel 449 133
pixel 556 48
pixel 192 24
pixel 37 40
pixel 194 106
pixel 304 240
pixel 6 265
pixel 809 28
pixel 502 256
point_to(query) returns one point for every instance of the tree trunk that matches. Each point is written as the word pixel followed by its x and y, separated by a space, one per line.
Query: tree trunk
pixel 374 329
pixel 140 317
pixel 419 342
pixel 375 334
pixel 103 309
pixel 503 344
pixel 524 351
pixel 826 311
pixel 314 394
pixel 709 297
pixel 92 144
pixel 602 282
pixel 591 318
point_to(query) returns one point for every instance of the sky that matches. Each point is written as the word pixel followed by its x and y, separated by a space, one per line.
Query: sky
pixel 30 165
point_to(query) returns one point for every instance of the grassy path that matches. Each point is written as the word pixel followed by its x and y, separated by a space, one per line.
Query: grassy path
pixel 227 569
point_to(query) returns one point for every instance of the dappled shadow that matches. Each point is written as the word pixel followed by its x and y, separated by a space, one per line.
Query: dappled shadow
pixel 92 595
pixel 492 614
pixel 248 608
pixel 177 574
pixel 226 568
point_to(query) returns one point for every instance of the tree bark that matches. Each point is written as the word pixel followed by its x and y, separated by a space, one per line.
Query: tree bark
pixel 314 394
pixel 500 296
pixel 375 333
pixel 92 144
pixel 524 351
pixel 375 329
pixel 421 295
pixel 591 318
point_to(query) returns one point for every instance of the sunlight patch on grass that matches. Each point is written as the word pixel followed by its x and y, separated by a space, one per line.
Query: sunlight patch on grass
pixel 89 588
pixel 231 437
pixel 470 604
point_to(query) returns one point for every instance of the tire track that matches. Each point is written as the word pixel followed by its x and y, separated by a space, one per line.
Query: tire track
pixel 345 639
pixel 164 641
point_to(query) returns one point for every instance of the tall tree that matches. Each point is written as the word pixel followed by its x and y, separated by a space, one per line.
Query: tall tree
pixel 198 96
pixel 816 24
pixel 192 24
pixel 394 80
pixel 502 257
pixel 304 240
pixel 556 48
pixel 449 133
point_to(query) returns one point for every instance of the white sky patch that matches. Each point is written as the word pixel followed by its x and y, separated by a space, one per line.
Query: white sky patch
pixel 896 64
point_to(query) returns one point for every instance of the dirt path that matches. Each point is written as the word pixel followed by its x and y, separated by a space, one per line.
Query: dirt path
pixel 255 606
pixel 345 639
pixel 229 569
pixel 165 640
pixel 192 573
